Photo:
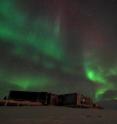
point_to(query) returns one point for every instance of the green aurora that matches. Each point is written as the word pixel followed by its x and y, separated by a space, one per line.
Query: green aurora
pixel 45 51
pixel 40 34
pixel 99 76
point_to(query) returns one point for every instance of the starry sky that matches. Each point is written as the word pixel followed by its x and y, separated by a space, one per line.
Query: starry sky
pixel 59 46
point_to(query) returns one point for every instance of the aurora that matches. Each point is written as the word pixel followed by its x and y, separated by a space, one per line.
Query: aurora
pixel 58 46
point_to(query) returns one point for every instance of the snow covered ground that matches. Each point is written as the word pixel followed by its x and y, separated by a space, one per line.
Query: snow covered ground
pixel 56 115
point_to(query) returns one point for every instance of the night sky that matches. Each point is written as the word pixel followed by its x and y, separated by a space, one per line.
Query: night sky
pixel 59 46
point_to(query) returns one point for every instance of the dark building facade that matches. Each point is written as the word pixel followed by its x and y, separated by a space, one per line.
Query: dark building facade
pixel 73 99
pixel 42 97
